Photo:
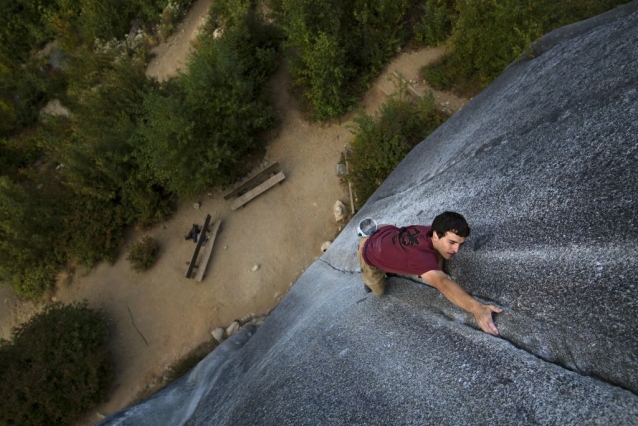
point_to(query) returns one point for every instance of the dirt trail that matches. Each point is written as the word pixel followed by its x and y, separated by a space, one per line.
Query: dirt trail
pixel 281 231
pixel 171 56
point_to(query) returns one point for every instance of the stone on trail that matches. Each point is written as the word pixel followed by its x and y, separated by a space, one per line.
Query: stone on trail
pixel 232 329
pixel 218 334
pixel 340 211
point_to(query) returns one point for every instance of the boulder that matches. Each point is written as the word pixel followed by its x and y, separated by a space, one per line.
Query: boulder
pixel 232 329
pixel 340 211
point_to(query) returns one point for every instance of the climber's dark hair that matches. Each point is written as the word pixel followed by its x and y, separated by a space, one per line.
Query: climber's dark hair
pixel 450 222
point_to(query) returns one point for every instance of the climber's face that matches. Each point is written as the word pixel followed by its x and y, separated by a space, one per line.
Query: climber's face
pixel 448 245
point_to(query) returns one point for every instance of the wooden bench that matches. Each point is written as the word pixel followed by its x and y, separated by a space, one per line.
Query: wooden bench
pixel 203 240
pixel 254 185
pixel 252 180
pixel 411 89
pixel 239 202
pixel 210 242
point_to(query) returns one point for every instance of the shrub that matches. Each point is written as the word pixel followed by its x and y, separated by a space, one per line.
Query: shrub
pixel 33 280
pixel 382 141
pixel 435 26
pixel 56 366
pixel 93 230
pixel 335 47
pixel 488 35
pixel 29 223
pixel 200 127
pixel 449 74
pixel 142 254
pixel 486 50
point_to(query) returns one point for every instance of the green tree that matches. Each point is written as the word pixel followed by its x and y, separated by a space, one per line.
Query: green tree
pixel 28 226
pixel 383 140
pixel 200 127
pixel 435 26
pixel 486 50
pixel 99 150
pixel 23 29
pixel 56 366
pixel 335 48
pixel 488 35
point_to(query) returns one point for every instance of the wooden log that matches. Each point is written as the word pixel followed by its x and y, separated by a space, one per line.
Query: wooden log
pixel 203 262
pixel 238 202
pixel 414 92
pixel 251 181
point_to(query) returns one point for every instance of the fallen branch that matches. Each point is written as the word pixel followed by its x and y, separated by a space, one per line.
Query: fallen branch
pixel 133 322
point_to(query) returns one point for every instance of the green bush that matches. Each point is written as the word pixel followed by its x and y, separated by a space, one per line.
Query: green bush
pixel 435 26
pixel 382 141
pixel 334 48
pixel 29 224
pixel 488 35
pixel 24 91
pixel 449 74
pixel 56 366
pixel 93 230
pixel 486 50
pixel 142 254
pixel 200 127
pixel 101 151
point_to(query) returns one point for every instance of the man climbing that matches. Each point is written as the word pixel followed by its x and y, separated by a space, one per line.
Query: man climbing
pixel 421 250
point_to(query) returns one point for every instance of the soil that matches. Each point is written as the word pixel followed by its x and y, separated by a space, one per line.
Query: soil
pixel 159 316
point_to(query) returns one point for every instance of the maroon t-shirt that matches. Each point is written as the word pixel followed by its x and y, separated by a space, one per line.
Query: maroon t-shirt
pixel 406 250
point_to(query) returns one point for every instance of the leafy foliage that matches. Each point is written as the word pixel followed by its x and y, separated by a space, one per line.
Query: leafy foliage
pixel 200 127
pixel 18 153
pixel 335 48
pixel 55 367
pixel 75 205
pixel 78 23
pixel 487 50
pixel 24 91
pixel 23 28
pixel 99 152
pixel 27 220
pixel 382 141
pixel 435 26
pixel 488 35
pixel 142 254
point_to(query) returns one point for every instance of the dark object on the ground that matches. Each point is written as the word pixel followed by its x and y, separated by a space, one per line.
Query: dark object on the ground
pixel 193 233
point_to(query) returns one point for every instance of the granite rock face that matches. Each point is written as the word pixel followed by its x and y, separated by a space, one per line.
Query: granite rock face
pixel 544 165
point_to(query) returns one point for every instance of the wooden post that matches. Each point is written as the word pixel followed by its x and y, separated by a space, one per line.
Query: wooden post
pixel 350 190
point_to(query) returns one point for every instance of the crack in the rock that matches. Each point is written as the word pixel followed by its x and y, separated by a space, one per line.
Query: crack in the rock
pixel 513 344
